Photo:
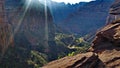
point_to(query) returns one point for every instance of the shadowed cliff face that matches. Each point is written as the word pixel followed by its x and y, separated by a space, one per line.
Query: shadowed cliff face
pixel 33 30
pixel 6 38
pixel 33 20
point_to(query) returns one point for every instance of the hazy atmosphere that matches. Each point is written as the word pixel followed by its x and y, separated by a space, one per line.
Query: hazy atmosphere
pixel 59 34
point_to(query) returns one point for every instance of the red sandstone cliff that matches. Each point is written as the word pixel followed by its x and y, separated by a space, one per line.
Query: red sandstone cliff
pixel 6 37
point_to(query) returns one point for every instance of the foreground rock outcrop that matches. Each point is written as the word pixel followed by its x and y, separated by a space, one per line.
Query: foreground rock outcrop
pixel 110 58
pixel 104 52
pixel 87 60
pixel 108 38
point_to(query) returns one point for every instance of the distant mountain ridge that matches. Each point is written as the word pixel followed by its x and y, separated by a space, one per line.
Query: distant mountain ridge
pixel 84 18
pixel 61 10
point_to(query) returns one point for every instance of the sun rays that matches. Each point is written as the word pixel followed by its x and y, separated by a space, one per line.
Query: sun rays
pixel 28 4
pixel 20 21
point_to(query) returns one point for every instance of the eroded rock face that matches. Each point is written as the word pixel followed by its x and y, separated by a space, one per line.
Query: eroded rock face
pixel 115 8
pixel 107 38
pixel 114 11
pixel 110 58
pixel 6 37
pixel 107 45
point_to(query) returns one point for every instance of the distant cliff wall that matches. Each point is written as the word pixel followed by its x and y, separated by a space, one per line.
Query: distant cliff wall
pixel 32 20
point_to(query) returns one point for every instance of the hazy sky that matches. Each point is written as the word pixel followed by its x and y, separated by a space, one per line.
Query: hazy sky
pixel 72 1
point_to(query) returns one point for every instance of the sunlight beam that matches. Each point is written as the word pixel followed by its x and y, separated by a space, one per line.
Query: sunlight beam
pixel 46 27
pixel 19 22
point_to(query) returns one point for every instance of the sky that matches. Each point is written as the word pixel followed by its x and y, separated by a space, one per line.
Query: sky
pixel 72 1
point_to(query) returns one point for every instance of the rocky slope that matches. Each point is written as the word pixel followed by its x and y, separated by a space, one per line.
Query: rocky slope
pixel 104 52
pixel 88 60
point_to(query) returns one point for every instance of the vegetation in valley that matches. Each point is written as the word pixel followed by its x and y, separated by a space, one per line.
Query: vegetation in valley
pixel 24 55
pixel 74 44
